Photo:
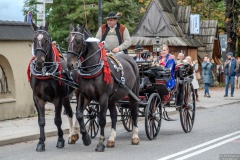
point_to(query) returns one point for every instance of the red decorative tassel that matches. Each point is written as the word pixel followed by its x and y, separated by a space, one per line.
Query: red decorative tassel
pixel 106 70
pixel 57 58
pixel 28 69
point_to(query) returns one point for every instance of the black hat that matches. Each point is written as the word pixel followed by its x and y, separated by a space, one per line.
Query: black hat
pixel 138 47
pixel 113 15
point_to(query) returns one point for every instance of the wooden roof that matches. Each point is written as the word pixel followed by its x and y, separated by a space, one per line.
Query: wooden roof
pixel 208 34
pixel 160 20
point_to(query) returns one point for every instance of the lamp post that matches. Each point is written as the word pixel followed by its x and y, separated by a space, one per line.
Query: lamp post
pixel 157 46
pixel 99 13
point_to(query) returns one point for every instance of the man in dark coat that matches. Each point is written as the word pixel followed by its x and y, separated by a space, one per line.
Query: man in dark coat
pixel 231 66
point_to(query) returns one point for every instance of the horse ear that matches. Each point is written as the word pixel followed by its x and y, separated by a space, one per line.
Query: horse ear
pixel 34 26
pixel 71 27
pixel 46 26
pixel 83 28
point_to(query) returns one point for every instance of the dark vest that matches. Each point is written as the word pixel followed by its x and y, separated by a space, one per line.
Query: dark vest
pixel 119 31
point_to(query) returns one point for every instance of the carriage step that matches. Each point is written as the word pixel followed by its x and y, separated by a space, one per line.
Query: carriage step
pixel 166 117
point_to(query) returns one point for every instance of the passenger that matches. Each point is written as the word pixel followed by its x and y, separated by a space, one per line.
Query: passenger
pixel 154 59
pixel 165 56
pixel 180 58
pixel 138 50
pixel 115 35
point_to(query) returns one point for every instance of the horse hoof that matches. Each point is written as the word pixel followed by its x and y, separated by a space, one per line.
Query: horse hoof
pixel 73 139
pixel 60 143
pixel 40 147
pixel 86 140
pixel 100 147
pixel 135 141
pixel 110 144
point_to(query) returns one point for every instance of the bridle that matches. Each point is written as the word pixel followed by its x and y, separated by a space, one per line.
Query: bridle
pixel 89 70
pixel 83 47
pixel 39 42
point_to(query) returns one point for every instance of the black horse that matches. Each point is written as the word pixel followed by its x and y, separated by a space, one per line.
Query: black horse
pixel 47 89
pixel 88 58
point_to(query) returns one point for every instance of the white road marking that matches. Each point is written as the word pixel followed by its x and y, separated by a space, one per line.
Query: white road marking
pixel 199 146
pixel 208 148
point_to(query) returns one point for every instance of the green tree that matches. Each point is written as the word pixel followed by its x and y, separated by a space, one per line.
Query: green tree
pixel 63 12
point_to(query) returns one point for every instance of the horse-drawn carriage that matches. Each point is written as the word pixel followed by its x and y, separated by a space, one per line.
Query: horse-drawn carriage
pixel 159 89
pixel 104 82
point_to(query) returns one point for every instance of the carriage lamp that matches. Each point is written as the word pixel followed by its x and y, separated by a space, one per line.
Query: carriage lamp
pixel 157 46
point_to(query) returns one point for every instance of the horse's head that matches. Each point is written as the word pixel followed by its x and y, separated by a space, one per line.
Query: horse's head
pixel 76 46
pixel 41 46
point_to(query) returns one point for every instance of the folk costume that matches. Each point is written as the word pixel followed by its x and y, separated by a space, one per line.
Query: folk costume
pixel 118 36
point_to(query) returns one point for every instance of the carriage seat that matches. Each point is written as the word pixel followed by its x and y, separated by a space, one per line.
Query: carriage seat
pixel 158 73
pixel 145 83
pixel 183 70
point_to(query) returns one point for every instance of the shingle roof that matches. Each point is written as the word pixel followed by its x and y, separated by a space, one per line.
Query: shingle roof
pixel 208 33
pixel 15 30
pixel 160 20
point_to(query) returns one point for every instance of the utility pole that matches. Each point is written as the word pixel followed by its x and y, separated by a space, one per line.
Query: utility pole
pixel 99 13
pixel 41 12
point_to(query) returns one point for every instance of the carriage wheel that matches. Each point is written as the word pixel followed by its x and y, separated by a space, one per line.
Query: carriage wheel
pixel 153 115
pixel 187 111
pixel 91 124
pixel 126 119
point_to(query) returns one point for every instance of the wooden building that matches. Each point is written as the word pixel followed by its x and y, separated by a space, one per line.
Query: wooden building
pixel 210 39
pixel 170 22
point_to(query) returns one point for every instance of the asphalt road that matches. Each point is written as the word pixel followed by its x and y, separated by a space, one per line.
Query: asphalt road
pixel 216 135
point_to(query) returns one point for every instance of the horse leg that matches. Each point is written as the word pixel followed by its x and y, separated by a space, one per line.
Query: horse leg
pixel 73 131
pixel 103 102
pixel 58 122
pixel 134 114
pixel 81 105
pixel 40 104
pixel 113 115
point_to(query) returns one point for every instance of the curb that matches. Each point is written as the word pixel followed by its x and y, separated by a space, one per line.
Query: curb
pixel 29 137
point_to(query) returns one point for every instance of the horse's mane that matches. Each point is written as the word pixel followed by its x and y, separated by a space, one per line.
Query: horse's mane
pixel 88 34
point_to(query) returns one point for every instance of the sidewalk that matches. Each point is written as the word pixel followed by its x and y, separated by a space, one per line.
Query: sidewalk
pixel 25 129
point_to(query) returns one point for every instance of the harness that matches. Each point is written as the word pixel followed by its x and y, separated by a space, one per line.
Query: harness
pixel 102 66
pixel 54 69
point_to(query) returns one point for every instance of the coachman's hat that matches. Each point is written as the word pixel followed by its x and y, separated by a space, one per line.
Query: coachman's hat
pixel 138 47
pixel 113 15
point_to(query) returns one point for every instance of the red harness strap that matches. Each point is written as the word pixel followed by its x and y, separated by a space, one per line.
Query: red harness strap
pixel 106 70
pixel 57 59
